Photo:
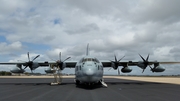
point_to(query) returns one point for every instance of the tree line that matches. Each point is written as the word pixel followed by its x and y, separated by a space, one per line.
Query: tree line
pixel 5 73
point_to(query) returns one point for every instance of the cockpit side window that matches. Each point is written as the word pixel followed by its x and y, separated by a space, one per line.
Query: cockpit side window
pixel 81 60
pixel 97 60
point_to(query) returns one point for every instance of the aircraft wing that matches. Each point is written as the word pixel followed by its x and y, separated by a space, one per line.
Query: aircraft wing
pixel 72 64
pixel 23 63
pixel 131 63
pixel 109 64
pixel 69 64
pixel 169 62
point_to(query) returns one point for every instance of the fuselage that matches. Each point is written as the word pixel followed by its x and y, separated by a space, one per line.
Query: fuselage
pixel 89 70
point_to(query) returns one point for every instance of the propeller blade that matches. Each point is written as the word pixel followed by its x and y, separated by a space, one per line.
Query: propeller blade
pixel 118 72
pixel 121 59
pixel 147 57
pixel 21 61
pixel 53 59
pixel 59 63
pixel 31 71
pixel 116 63
pixel 151 69
pixel 59 56
pixel 143 71
pixel 109 69
pixel 67 59
pixel 146 63
pixel 142 58
pixel 36 57
pixel 25 67
pixel 28 56
pixel 111 60
pixel 115 58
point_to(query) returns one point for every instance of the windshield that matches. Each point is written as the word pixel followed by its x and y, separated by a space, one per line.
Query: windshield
pixel 90 59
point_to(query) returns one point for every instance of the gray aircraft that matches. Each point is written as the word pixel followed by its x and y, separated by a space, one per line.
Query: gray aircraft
pixel 88 70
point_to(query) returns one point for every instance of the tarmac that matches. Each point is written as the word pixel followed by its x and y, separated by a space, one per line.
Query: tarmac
pixel 38 88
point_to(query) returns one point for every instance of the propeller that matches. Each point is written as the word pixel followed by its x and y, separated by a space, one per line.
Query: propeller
pixel 30 63
pixel 146 63
pixel 59 63
pixel 59 66
pixel 116 63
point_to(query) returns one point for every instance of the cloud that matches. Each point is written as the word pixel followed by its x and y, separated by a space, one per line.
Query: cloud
pixel 84 30
pixel 120 27
pixel 161 11
pixel 7 48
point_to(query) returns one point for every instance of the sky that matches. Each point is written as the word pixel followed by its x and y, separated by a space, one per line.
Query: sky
pixel 121 27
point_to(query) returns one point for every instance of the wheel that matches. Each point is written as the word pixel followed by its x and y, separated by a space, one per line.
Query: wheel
pixel 77 82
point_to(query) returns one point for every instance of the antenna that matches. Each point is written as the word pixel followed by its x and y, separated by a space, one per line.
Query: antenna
pixel 87 51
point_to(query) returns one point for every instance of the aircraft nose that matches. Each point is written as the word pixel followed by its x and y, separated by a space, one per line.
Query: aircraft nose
pixel 89 72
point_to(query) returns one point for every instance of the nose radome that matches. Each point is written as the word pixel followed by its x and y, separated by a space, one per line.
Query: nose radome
pixel 89 72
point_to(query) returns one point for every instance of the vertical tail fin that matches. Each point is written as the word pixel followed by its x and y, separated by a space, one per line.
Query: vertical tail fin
pixel 87 50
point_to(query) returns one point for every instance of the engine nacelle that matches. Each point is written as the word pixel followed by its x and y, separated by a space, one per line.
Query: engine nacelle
pixel 49 70
pixel 141 65
pixel 60 65
pixel 114 66
pixel 126 70
pixel 35 65
pixel 158 69
pixel 63 66
pixel 17 70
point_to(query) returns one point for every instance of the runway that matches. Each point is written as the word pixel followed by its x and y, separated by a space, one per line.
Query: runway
pixel 38 89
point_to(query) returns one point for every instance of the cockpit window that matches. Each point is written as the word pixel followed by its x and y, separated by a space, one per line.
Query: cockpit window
pixel 97 60
pixel 89 59
pixel 85 59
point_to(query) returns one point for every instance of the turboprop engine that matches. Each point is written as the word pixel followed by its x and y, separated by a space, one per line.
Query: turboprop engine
pixel 17 69
pixel 31 64
pixel 59 63
pixel 145 63
pixel 115 64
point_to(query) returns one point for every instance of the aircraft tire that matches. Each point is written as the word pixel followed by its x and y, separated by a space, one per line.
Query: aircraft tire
pixel 77 82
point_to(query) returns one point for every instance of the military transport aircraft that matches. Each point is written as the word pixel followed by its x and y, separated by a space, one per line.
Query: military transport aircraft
pixel 88 70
